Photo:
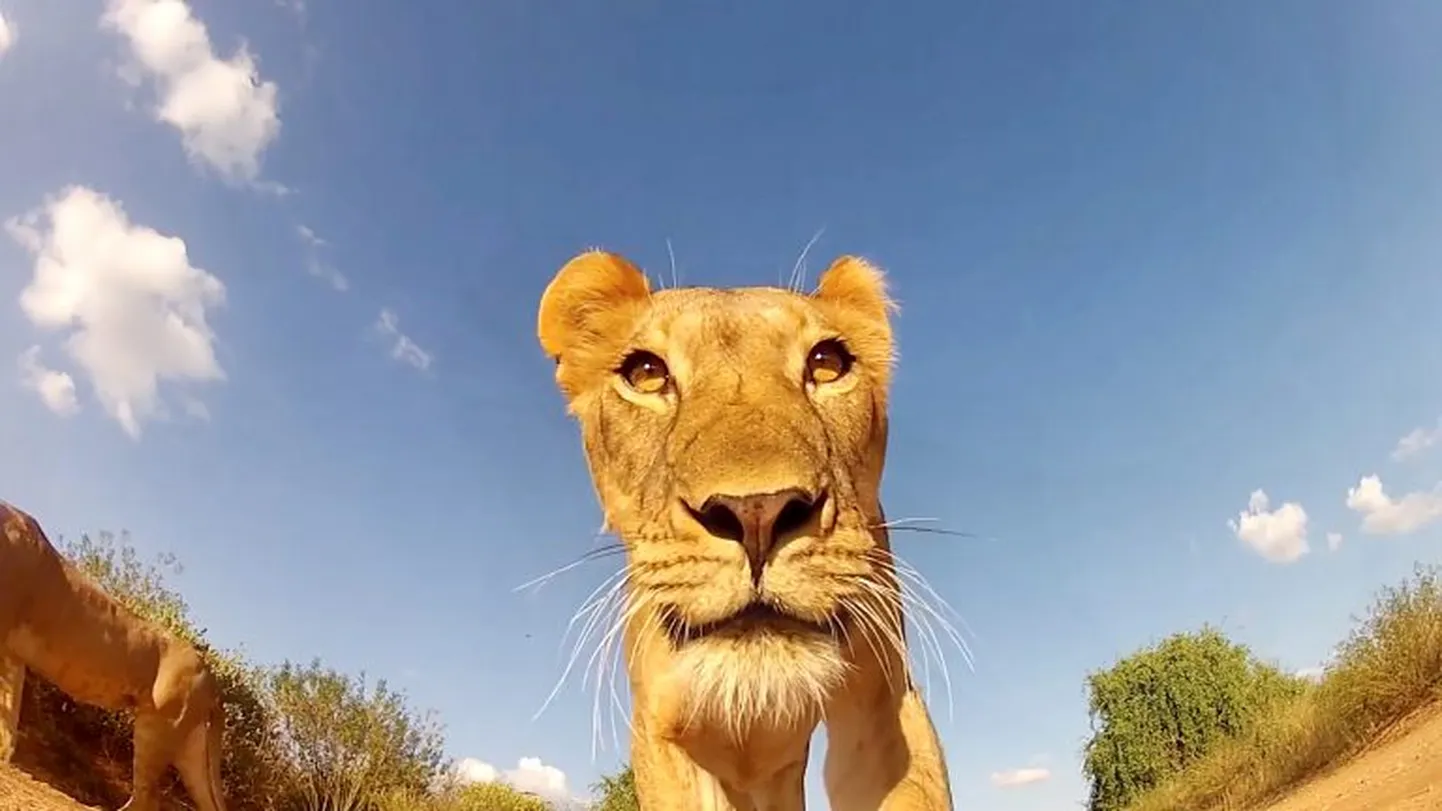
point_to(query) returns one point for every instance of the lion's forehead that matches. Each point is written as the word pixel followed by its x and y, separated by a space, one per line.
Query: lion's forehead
pixel 699 327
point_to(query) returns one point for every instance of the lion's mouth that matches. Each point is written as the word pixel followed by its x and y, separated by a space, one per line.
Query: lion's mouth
pixel 758 616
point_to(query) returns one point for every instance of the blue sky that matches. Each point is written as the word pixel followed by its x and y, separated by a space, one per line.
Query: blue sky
pixel 1151 258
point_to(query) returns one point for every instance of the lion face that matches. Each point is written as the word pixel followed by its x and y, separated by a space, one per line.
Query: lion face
pixel 736 441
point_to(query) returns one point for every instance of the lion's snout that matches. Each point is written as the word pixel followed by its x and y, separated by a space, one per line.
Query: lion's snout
pixel 760 522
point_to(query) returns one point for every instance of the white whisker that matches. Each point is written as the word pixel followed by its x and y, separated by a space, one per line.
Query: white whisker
pixel 594 554
pixel 591 608
pixel 931 598
pixel 930 643
pixel 675 278
pixel 899 522
pixel 798 270
pixel 627 607
pixel 927 611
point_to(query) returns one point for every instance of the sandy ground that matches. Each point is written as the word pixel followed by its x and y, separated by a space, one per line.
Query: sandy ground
pixel 20 792
pixel 1402 772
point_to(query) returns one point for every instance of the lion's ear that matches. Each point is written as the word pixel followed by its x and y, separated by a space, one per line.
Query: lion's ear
pixel 592 301
pixel 857 285
pixel 853 291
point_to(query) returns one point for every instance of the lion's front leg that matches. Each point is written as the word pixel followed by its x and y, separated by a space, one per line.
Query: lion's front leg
pixel 786 791
pixel 155 748
pixel 12 689
pixel 669 779
pixel 884 755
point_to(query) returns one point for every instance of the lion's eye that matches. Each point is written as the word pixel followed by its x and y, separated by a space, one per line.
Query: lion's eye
pixel 645 372
pixel 828 361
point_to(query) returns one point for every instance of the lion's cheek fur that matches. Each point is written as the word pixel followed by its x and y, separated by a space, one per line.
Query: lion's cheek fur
pixel 629 486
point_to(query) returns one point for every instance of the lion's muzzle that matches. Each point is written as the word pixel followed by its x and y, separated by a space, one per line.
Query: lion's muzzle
pixel 759 522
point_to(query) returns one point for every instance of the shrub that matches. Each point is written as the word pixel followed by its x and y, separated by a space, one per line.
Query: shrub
pixel 349 745
pixel 616 792
pixel 495 797
pixel 1391 663
pixel 1388 666
pixel 1166 707
pixel 473 797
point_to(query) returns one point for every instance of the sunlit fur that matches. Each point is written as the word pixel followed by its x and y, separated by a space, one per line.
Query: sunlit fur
pixel 56 621
pixel 724 721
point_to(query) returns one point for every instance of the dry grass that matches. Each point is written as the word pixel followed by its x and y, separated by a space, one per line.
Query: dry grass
pixel 1389 667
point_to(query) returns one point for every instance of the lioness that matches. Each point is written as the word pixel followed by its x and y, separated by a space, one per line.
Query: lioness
pixel 736 440
pixel 59 623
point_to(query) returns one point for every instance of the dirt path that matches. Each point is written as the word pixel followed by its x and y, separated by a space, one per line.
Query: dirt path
pixel 1403 772
pixel 20 792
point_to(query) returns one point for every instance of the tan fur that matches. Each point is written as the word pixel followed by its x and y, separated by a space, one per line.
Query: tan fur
pixel 725 721
pixel 56 621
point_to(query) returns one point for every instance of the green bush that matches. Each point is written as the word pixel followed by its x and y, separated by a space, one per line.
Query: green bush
pixel 1389 666
pixel 347 744
pixel 494 797
pixel 473 797
pixel 1164 708
pixel 616 792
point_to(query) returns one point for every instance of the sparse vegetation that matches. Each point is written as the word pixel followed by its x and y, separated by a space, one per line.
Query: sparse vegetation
pixel 298 737
pixel 1388 667
pixel 474 797
pixel 616 792
pixel 341 740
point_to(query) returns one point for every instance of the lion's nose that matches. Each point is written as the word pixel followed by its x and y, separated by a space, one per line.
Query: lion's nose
pixel 758 521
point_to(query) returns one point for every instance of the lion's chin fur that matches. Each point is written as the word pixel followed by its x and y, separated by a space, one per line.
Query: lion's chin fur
pixel 756 682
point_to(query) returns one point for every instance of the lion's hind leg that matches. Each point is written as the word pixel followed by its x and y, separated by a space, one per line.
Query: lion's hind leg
pixel 12 688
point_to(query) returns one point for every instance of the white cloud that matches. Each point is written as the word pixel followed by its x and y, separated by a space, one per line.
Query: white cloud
pixel 309 237
pixel 295 7
pixel 1334 541
pixel 403 348
pixel 317 267
pixel 194 408
pixel 1312 674
pixel 56 389
pixel 1381 515
pixel 1417 441
pixel 1278 535
pixel 133 305
pixel 225 113
pixel 1020 777
pixel 7 34
pixel 536 777
pixel 530 775
pixel 471 770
